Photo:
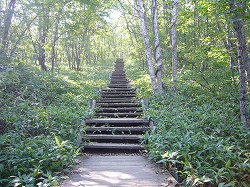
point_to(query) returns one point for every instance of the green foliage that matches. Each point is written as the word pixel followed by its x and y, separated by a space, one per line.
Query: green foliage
pixel 198 130
pixel 201 136
pixel 42 120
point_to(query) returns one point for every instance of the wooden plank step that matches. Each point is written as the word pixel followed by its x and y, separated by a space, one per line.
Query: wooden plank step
pixel 117 120
pixel 118 89
pixel 124 84
pixel 118 100
pixel 112 137
pixel 115 81
pixel 94 145
pixel 118 86
pixel 120 109
pixel 119 76
pixel 119 115
pixel 119 79
pixel 119 104
pixel 118 92
pixel 118 129
pixel 117 95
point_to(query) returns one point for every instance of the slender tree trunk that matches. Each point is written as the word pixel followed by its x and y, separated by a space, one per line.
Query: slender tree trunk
pixel 41 50
pixel 238 25
pixel 7 23
pixel 174 42
pixel 158 53
pixel 43 32
pixel 53 51
pixel 147 45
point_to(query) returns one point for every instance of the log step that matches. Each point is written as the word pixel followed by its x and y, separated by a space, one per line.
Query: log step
pixel 116 100
pixel 94 145
pixel 117 121
pixel 118 89
pixel 118 92
pixel 118 85
pixel 117 95
pixel 112 130
pixel 135 109
pixel 119 115
pixel 113 137
pixel 119 104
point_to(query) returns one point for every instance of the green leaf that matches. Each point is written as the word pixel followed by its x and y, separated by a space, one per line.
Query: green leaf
pixel 58 142
pixel 228 164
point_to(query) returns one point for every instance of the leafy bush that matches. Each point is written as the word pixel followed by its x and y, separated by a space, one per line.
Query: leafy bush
pixel 197 130
pixel 42 120
pixel 204 141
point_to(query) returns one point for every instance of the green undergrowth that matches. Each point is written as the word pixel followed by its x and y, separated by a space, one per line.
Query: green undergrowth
pixel 42 120
pixel 198 130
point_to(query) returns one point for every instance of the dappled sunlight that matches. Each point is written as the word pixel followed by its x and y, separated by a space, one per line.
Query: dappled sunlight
pixel 104 171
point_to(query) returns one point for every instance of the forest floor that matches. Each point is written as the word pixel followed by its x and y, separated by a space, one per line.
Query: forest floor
pixel 118 171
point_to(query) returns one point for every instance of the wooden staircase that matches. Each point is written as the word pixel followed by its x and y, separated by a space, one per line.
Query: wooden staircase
pixel 117 125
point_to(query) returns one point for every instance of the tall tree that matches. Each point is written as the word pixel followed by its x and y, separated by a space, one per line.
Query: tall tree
pixel 237 9
pixel 174 41
pixel 7 24
pixel 158 52
pixel 144 30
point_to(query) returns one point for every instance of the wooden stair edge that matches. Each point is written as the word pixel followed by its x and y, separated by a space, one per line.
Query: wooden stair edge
pixel 117 120
pixel 94 145
pixel 111 136
pixel 142 128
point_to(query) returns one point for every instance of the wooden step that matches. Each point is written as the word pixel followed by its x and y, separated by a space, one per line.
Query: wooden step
pixel 122 76
pixel 130 130
pixel 118 74
pixel 112 137
pixel 118 89
pixel 119 115
pixel 118 85
pixel 118 109
pixel 94 145
pixel 119 104
pixel 117 95
pixel 119 82
pixel 116 121
pixel 118 92
pixel 118 100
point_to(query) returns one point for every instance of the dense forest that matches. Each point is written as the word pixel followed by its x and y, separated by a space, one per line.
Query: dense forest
pixel 189 57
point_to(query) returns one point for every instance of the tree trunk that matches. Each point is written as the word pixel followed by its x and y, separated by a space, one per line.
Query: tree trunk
pixel 53 51
pixel 158 53
pixel 43 32
pixel 174 42
pixel 147 45
pixel 238 25
pixel 7 23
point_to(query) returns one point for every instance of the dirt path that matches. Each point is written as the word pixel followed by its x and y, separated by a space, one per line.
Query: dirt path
pixel 118 171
